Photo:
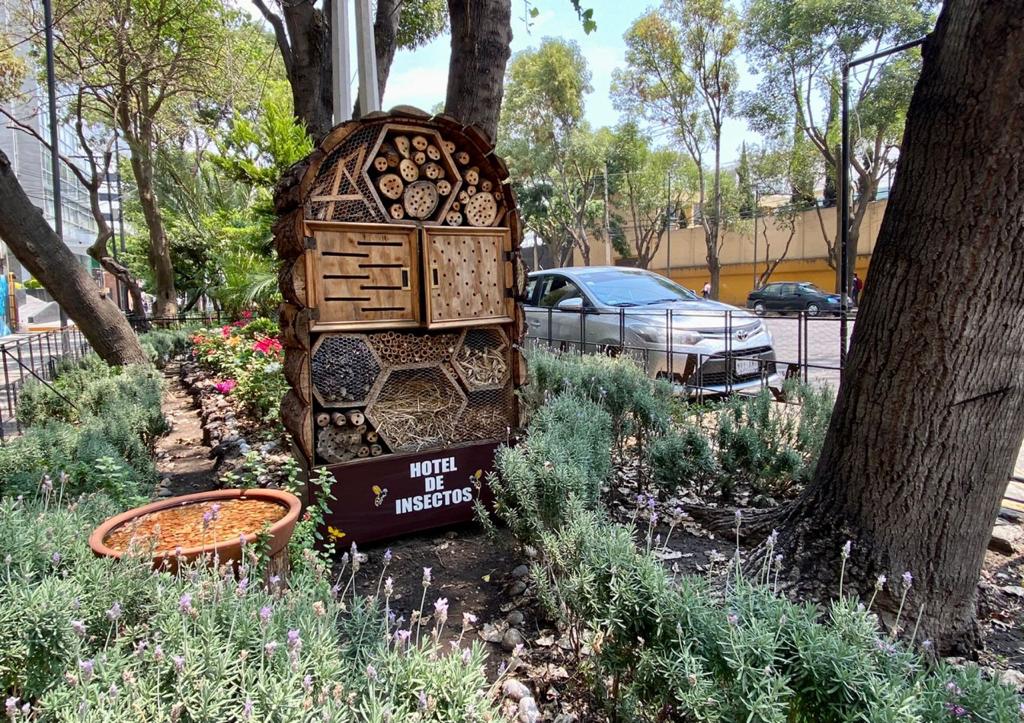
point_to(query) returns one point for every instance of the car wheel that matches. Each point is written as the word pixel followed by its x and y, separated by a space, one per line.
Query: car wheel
pixel 813 309
pixel 759 308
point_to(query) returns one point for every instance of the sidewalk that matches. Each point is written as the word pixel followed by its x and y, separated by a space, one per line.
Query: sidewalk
pixel 1016 489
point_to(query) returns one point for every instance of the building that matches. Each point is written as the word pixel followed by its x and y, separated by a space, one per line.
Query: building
pixel 31 163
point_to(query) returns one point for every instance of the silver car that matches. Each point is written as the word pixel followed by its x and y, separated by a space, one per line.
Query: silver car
pixel 713 348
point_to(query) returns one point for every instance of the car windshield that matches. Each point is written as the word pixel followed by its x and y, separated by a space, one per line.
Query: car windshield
pixel 616 288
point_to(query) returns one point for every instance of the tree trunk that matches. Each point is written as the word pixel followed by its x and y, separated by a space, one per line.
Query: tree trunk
pixel 41 251
pixel 309 69
pixel 714 266
pixel 159 250
pixel 481 40
pixel 928 419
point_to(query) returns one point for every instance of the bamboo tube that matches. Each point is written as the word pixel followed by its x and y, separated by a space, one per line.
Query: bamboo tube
pixel 339 419
pixel 363 452
pixel 376 450
pixel 355 418
pixel 323 419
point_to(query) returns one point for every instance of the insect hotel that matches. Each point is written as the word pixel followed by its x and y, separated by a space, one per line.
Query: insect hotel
pixel 401 274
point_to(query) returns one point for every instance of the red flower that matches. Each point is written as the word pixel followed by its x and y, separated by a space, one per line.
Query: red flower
pixel 267 345
pixel 225 386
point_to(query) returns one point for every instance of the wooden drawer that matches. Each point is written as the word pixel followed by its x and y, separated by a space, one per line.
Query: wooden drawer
pixel 467 275
pixel 363 275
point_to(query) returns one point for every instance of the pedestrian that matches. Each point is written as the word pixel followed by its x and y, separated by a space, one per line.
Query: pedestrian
pixel 707 289
pixel 857 286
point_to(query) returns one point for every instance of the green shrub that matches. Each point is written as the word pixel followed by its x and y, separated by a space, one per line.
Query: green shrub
pixel 639 408
pixel 101 440
pixel 163 345
pixel 675 650
pixel 683 459
pixel 566 458
pixel 93 639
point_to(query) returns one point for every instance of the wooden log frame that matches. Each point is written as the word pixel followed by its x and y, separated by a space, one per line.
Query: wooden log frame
pixel 438 139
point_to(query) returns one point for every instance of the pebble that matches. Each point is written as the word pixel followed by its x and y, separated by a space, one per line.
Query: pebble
pixel 517 588
pixel 566 718
pixel 515 618
pixel 528 712
pixel 521 571
pixel 1013 678
pixel 511 639
pixel 515 689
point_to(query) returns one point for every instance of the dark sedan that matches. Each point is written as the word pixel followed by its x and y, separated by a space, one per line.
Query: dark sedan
pixel 793 296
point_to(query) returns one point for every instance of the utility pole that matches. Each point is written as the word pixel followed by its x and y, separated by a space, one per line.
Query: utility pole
pixel 369 94
pixel 341 72
pixel 668 228
pixel 607 225
pixel 51 90
pixel 120 212
pixel 757 204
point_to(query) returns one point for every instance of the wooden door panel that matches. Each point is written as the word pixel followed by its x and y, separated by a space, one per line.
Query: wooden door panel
pixel 466 275
pixel 364 275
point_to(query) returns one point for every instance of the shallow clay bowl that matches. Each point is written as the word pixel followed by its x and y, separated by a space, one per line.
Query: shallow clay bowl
pixel 229 550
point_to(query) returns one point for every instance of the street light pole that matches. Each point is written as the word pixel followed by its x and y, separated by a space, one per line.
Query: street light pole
pixel 757 204
pixel 51 90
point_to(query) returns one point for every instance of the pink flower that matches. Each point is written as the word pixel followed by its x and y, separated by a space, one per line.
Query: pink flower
pixel 225 331
pixel 267 345
pixel 225 386
pixel 246 314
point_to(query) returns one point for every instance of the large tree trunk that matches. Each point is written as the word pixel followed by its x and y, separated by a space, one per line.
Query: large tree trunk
pixel 928 418
pixel 159 251
pixel 481 40
pixel 309 72
pixel 41 251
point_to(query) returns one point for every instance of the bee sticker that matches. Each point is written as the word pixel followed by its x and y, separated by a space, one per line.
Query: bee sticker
pixel 379 495
pixel 335 532
pixel 475 478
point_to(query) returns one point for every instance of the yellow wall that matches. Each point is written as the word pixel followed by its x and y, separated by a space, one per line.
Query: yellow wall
pixel 737 280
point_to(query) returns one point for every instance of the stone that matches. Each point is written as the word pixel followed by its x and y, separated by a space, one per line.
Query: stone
pixel 1003 540
pixel 1013 678
pixel 521 571
pixel 566 718
pixel 511 639
pixel 528 712
pixel 515 689
pixel 514 618
pixel 163 491
pixel 1014 590
pixel 517 588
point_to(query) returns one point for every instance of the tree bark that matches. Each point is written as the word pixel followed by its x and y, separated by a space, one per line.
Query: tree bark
pixel 309 72
pixel 481 40
pixel 159 250
pixel 928 419
pixel 41 251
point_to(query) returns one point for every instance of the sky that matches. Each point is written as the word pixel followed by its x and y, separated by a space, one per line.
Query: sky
pixel 418 77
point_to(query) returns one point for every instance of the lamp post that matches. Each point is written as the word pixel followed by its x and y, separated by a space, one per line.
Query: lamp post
pixel 844 187
pixel 51 91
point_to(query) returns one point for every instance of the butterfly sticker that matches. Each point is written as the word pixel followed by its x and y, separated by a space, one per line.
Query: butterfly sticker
pixel 379 495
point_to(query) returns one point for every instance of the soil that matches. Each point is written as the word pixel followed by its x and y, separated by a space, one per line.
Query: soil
pixel 182 460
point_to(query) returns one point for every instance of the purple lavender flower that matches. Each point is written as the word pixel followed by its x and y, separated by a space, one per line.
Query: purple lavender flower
pixel 371 673
pixel 215 510
pixel 468 619
pixel 46 485
pixel 86 667
pixel 179 662
pixel 402 637
pixel 389 587
pixel 207 519
pixel 243 586
pixel 307 682
pixel 265 613
pixel 956 710
pixel 908 579
pixel 247 709
pixel 79 627
pixel 158 653
pixel 441 609
pixel 115 611
pixel 847 546
pixel 55 558
pixel 185 604
pixel 422 700
pixel 387 556
pixel 294 641
pixel 426 577
pixel 270 648
pixel 880 582
pixel 11 706
pixel 467 655
pixel 113 690
pixel 733 618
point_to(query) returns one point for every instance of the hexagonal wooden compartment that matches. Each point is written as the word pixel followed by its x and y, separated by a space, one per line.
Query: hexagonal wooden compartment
pixel 482 358
pixel 416 406
pixel 343 369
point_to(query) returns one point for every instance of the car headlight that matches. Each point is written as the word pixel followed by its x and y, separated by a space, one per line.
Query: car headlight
pixel 656 334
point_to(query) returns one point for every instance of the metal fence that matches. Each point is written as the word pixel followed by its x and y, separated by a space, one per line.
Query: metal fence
pixel 700 352
pixel 36 356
